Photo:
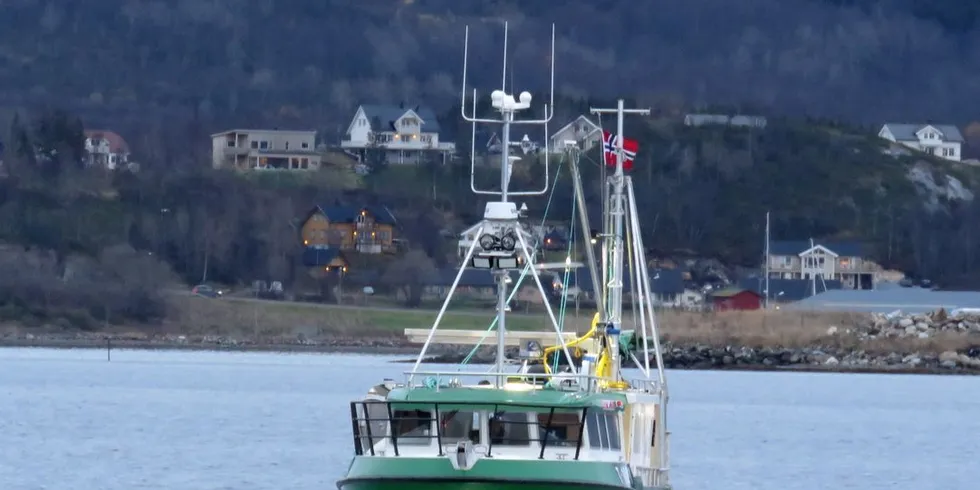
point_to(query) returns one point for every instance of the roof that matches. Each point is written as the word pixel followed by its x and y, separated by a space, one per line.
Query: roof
pixel 348 214
pixel 796 247
pixel 388 114
pixel 116 143
pixel 736 120
pixel 906 132
pixel 320 256
pixel 730 292
pixel 274 130
pixel 909 300
pixel 788 289
pixel 595 127
pixel 662 281
pixel 556 235
pixel 490 396
pixel 473 278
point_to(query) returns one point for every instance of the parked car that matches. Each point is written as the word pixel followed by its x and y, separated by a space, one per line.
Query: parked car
pixel 206 291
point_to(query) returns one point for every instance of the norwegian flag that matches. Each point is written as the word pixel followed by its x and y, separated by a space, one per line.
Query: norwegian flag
pixel 609 144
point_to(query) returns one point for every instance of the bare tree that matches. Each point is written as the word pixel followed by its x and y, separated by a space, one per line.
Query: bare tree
pixel 410 274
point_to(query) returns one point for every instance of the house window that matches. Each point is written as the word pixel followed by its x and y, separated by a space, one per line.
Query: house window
pixel 306 145
pixel 845 263
pixel 287 145
pixel 231 143
pixel 263 145
pixel 255 145
pixel 949 152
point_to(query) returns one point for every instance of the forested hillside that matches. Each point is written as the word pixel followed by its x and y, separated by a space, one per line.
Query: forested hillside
pixel 165 73
pixel 232 62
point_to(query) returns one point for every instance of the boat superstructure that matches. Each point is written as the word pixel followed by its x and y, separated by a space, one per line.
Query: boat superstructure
pixel 540 425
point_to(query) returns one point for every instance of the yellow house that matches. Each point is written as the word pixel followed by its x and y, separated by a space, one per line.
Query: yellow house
pixel 367 229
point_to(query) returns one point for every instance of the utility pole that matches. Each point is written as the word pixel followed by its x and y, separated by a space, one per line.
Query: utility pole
pixel 614 297
pixel 767 261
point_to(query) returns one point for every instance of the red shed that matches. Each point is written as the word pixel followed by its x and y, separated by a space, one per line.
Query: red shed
pixel 736 299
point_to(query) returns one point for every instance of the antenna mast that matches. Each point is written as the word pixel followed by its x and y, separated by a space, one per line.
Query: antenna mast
pixel 614 277
pixel 502 244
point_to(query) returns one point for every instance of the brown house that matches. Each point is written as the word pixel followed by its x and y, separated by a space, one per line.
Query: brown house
pixel 367 229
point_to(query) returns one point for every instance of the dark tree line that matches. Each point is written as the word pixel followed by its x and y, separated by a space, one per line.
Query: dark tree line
pixel 221 64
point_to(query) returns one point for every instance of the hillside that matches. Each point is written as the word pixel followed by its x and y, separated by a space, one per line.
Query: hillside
pixel 165 73
pixel 224 62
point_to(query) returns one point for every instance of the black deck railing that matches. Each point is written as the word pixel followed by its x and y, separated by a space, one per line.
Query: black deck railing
pixel 365 439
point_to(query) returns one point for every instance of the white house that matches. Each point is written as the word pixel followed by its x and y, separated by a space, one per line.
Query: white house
pixel 581 130
pixel 406 134
pixel 941 140
pixel 106 148
pixel 265 149
pixel 843 261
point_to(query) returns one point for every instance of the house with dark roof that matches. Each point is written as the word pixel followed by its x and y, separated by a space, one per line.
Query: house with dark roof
pixel 822 260
pixel 789 290
pixel 667 286
pixel 941 140
pixel 364 229
pixel 106 149
pixel 555 240
pixel 404 133
pixel 475 283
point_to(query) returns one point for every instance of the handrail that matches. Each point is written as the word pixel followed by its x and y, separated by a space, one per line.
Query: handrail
pixel 531 379
pixel 438 436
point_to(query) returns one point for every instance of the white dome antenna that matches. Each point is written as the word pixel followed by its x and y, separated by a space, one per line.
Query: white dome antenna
pixel 508 105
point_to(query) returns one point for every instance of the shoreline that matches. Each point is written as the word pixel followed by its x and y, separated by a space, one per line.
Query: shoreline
pixel 676 357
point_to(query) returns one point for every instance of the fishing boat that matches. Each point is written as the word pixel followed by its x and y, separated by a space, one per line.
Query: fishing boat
pixel 567 415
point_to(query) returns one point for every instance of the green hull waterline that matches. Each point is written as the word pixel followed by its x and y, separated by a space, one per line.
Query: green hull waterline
pixel 406 473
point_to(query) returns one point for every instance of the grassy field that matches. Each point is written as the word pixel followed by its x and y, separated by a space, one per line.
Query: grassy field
pixel 201 316
pixel 790 329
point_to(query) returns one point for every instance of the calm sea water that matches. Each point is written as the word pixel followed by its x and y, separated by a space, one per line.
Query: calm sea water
pixel 69 420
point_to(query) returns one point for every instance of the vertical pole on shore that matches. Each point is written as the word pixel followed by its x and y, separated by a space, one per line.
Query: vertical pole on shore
pixel 108 350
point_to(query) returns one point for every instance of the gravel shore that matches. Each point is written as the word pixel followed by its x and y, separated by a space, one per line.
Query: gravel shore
pixel 676 356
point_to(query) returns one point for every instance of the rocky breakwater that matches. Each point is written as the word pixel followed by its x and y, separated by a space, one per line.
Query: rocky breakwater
pixel 938 341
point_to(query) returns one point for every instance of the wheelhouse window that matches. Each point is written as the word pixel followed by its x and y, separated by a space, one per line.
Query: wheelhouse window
pixel 455 426
pixel 603 429
pixel 563 431
pixel 412 427
pixel 509 429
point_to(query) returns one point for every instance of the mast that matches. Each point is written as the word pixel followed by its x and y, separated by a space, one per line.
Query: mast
pixel 613 275
pixel 502 244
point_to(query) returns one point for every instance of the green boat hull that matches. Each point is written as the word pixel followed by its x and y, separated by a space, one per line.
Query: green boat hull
pixel 406 473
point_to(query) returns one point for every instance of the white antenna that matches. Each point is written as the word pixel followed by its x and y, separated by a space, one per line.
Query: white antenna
pixel 508 106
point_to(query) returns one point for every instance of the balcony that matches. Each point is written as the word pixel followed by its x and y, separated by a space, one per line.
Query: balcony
pixel 388 141
pixel 236 150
